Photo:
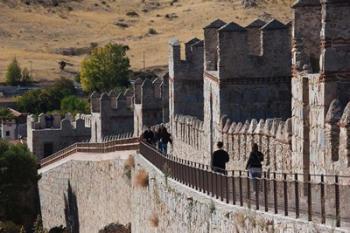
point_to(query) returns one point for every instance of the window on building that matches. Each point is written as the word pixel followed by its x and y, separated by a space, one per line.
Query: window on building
pixel 7 133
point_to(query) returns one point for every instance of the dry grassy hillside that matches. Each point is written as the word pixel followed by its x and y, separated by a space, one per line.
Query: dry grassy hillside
pixel 36 34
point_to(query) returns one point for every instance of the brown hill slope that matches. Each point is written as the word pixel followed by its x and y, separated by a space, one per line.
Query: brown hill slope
pixel 38 34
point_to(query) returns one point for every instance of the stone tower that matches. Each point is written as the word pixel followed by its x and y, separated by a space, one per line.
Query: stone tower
pixel 247 74
pixel 321 81
pixel 186 79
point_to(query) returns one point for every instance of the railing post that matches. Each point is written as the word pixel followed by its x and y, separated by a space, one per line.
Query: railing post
pixel 257 192
pixel 265 193
pixel 275 201
pixel 221 187
pixel 248 190
pixel 203 179
pixel 309 198
pixel 233 188
pixel 240 188
pixel 296 193
pixel 216 185
pixel 337 201
pixel 323 212
pixel 227 191
pixel 285 194
pixel 213 186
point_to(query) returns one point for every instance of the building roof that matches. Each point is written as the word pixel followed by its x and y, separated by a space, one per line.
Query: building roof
pixel 192 41
pixel 215 24
pixel 174 41
pixel 232 27
pixel 16 113
pixel 301 3
pixel 257 23
pixel 274 25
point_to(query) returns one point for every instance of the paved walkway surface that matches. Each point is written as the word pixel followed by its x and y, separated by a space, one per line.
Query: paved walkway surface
pixel 83 156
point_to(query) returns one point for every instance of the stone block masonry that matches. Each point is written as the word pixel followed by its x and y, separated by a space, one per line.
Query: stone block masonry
pixel 49 133
pixel 86 192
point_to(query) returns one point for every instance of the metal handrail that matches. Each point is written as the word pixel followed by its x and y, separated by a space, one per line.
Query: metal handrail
pixel 273 191
pixel 103 147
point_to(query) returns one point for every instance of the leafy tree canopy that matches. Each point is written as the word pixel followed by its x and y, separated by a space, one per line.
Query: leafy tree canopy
pixel 13 73
pixel 74 105
pixel 105 69
pixel 18 177
pixel 46 99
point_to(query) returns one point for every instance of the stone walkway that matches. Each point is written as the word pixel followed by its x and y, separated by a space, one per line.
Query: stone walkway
pixel 88 157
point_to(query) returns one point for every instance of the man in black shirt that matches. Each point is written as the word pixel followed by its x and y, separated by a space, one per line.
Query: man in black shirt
pixel 148 135
pixel 219 159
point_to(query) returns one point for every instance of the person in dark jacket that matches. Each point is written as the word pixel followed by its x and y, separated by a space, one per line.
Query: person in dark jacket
pixel 148 135
pixel 219 159
pixel 164 138
pixel 254 165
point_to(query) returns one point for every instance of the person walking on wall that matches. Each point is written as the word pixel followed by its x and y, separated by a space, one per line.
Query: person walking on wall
pixel 148 136
pixel 219 159
pixel 164 139
pixel 254 165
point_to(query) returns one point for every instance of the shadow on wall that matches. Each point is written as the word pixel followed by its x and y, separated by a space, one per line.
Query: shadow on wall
pixel 71 210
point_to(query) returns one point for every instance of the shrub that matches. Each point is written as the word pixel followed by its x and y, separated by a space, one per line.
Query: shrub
pixel 130 162
pixel 152 31
pixel 154 220
pixel 5 113
pixel 74 105
pixel 47 99
pixel 9 227
pixel 141 178
pixel 13 73
pixel 105 69
pixel 26 77
pixel 116 228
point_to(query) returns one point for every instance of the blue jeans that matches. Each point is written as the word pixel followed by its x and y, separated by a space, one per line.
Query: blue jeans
pixel 163 147
pixel 255 172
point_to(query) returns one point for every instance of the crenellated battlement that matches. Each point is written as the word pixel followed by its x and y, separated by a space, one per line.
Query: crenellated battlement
pixel 337 137
pixel 273 136
pixel 112 100
pixel 151 101
pixel 186 78
pixel 235 51
pixel 55 121
pixel 112 114
pixel 48 133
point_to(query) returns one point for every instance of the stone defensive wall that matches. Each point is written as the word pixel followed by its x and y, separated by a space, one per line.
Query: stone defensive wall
pixel 272 135
pixel 150 103
pixel 85 192
pixel 47 133
pixel 188 139
pixel 111 114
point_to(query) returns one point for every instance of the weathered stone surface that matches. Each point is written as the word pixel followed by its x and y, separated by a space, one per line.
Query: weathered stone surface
pixel 86 194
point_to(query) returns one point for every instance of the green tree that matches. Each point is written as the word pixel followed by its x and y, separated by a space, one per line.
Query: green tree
pixel 74 104
pixel 18 178
pixel 5 113
pixel 13 73
pixel 47 99
pixel 106 68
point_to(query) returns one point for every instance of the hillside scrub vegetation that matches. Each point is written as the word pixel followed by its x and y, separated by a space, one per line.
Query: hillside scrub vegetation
pixel 15 75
